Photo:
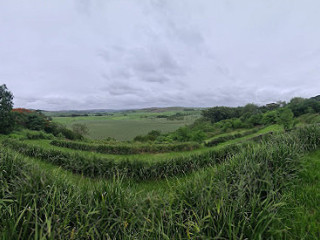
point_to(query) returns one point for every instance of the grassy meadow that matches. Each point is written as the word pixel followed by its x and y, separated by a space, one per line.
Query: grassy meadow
pixel 126 125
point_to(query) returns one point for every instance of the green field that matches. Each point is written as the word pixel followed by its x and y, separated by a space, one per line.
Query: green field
pixel 126 126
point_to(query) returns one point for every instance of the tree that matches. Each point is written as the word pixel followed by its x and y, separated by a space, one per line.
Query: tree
pixel 6 104
pixel 217 114
pixel 33 120
pixel 270 117
pixel 80 129
pixel 286 118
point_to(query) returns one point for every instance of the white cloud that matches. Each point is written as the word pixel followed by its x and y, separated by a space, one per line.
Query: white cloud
pixel 79 54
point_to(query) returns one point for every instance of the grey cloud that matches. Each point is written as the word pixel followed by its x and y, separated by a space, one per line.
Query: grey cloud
pixel 121 89
pixel 156 79
pixel 132 53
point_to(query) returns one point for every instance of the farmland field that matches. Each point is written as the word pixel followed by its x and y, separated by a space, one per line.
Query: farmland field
pixel 125 126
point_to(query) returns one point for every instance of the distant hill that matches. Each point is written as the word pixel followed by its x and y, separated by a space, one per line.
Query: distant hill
pixel 67 113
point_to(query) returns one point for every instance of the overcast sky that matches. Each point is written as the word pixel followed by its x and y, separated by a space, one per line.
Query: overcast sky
pixel 120 54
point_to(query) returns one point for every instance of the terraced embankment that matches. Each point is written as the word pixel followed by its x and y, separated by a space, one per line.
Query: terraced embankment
pixel 238 198
pixel 136 169
pixel 126 149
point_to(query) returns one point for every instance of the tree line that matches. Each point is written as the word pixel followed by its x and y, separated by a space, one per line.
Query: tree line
pixel 20 118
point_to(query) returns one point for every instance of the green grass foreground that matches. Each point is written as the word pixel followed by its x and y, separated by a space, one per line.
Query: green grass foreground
pixel 244 197
pixel 301 214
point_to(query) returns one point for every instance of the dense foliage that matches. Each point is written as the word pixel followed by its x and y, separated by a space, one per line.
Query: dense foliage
pixel 6 104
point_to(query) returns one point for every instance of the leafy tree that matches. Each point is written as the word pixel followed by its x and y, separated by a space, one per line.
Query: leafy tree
pixel 270 117
pixel 81 129
pixel 36 121
pixel 286 118
pixel 151 136
pixel 250 109
pixel 217 114
pixel 33 120
pixel 198 136
pixel 255 119
pixel 6 104
pixel 300 106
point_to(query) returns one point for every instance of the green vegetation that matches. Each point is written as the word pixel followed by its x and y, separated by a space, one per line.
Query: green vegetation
pixel 239 198
pixel 220 139
pixel 126 149
pixel 109 168
pixel 249 172
pixel 6 104
pixel 123 127
pixel 301 214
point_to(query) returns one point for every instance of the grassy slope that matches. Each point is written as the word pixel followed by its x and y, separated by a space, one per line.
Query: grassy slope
pixel 158 156
pixel 175 184
pixel 302 212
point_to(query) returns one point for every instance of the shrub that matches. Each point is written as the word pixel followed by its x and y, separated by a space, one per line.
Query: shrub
pixel 38 135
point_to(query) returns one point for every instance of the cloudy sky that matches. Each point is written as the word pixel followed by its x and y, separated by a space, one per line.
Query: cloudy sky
pixel 90 54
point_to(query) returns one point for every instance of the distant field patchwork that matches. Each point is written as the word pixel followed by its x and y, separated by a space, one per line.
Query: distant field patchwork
pixel 125 128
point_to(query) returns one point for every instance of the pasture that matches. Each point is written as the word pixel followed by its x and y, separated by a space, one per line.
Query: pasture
pixel 127 125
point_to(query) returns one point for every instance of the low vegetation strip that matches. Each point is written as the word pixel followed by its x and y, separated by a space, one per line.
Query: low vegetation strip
pixel 218 140
pixel 123 149
pixel 136 169
pixel 241 200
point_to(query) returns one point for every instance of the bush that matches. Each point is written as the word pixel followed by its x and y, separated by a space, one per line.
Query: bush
pixel 59 130
pixel 38 135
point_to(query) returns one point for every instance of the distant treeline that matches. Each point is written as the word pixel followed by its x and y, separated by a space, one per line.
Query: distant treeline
pixel 298 106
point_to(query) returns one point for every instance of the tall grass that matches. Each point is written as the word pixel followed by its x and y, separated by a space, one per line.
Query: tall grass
pixel 125 149
pixel 222 139
pixel 240 200
pixel 92 166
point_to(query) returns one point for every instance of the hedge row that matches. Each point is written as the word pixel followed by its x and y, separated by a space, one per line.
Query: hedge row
pixel 135 169
pixel 123 149
pixel 222 139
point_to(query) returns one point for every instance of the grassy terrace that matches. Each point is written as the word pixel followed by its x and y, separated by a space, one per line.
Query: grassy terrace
pixel 243 197
pixel 158 156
